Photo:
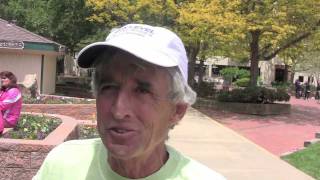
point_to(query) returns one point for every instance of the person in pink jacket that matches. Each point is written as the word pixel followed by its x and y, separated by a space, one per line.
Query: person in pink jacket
pixel 10 101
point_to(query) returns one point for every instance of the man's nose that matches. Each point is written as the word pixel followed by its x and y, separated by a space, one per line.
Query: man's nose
pixel 121 106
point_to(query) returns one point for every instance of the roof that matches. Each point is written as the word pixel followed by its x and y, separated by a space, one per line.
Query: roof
pixel 12 32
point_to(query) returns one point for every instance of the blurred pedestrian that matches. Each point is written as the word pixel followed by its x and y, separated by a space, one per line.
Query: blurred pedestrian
pixel 307 90
pixel 10 101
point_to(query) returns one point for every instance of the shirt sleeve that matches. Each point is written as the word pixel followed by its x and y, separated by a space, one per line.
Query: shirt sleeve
pixel 11 97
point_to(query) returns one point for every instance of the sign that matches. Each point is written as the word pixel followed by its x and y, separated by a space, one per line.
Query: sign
pixel 11 44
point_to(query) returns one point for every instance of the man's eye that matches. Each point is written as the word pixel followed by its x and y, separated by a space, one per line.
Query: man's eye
pixel 108 87
pixel 142 90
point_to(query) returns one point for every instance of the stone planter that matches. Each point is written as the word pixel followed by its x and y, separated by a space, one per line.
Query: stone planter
pixel 255 109
pixel 247 108
pixel 20 159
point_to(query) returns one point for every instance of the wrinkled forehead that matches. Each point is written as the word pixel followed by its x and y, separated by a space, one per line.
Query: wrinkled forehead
pixel 127 65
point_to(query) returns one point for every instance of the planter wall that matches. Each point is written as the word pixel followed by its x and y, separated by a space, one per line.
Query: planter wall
pixel 21 159
pixel 256 109
pixel 247 108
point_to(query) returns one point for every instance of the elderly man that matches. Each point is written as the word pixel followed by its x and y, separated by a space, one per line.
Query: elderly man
pixel 141 89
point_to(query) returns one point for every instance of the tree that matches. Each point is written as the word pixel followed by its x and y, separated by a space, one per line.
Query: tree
pixel 207 28
pixel 272 26
pixel 31 15
pixel 305 57
pixel 63 21
pixel 113 13
pixel 68 22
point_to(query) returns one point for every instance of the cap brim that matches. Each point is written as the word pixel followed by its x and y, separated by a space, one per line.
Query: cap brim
pixel 88 54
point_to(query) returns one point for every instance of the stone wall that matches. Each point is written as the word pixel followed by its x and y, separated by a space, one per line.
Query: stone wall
pixel 246 108
pixel 21 159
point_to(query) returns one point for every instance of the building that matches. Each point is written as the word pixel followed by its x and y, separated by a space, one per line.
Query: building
pixel 23 52
pixel 269 71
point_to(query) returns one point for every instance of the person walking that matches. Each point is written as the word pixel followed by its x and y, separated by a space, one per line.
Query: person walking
pixel 317 96
pixel 307 90
pixel 298 88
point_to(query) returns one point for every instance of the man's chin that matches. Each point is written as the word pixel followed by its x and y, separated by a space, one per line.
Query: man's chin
pixel 120 151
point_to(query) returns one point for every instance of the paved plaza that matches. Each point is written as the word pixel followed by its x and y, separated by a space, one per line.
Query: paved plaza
pixel 227 152
pixel 278 134
pixel 236 145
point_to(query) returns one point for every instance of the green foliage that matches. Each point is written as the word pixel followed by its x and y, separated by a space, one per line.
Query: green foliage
pixel 307 160
pixel 281 85
pixel 260 95
pixel 68 22
pixel 31 15
pixel 208 28
pixel 243 73
pixel 33 127
pixel 229 73
pixel 64 21
pixel 87 132
pixel 234 73
pixel 243 82
pixel 206 90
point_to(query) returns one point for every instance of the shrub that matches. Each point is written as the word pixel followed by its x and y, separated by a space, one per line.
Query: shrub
pixel 243 73
pixel 260 95
pixel 280 85
pixel 282 95
pixel 243 82
pixel 229 73
pixel 206 89
pixel 234 73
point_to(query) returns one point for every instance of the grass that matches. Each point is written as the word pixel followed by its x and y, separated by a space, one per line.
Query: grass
pixel 307 160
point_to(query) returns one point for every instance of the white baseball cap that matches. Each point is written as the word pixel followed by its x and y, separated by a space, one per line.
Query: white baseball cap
pixel 155 45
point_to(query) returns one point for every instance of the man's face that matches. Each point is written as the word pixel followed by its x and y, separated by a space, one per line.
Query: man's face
pixel 133 110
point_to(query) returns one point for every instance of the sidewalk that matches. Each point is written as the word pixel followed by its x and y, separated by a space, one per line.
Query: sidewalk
pixel 278 134
pixel 227 152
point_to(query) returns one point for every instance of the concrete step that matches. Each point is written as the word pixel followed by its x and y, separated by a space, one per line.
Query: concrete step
pixel 309 142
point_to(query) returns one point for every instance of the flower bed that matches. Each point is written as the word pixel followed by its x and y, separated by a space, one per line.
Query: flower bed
pixel 21 158
pixel 87 131
pixel 33 127
pixel 53 99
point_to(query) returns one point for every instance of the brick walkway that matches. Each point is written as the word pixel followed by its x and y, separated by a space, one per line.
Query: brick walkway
pixel 279 133
pixel 77 111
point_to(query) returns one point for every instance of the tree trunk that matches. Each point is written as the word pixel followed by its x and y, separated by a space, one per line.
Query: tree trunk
pixel 254 50
pixel 286 73
pixel 201 73
pixel 192 55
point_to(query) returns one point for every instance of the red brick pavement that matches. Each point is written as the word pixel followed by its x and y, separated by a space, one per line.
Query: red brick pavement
pixel 77 111
pixel 278 133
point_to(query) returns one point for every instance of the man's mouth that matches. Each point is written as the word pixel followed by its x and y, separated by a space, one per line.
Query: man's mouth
pixel 120 130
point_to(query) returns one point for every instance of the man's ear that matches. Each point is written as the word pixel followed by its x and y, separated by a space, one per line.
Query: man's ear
pixel 179 111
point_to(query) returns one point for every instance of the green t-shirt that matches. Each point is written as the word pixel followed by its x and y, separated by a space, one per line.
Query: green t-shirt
pixel 87 159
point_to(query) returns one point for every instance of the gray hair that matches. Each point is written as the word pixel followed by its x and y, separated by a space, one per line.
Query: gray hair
pixel 180 91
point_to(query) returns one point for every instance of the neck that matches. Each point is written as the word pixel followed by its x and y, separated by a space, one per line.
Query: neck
pixel 142 166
